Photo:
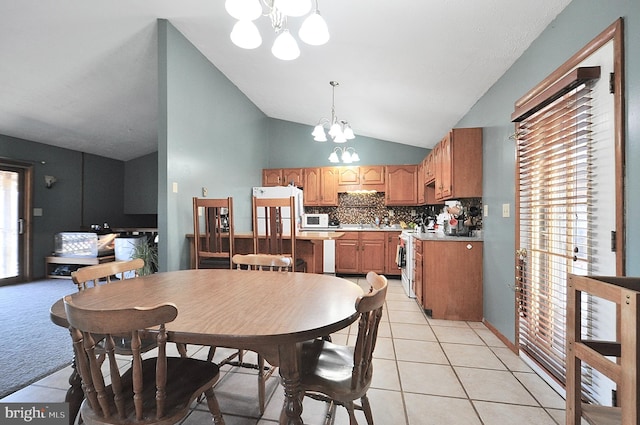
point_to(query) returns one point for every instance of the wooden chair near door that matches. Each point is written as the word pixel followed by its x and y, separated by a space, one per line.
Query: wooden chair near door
pixel 340 374
pixel 213 233
pixel 274 229
pixel 154 390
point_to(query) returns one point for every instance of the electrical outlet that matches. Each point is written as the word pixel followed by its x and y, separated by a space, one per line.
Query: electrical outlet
pixel 486 210
pixel 505 210
pixel 413 213
pixel 205 192
pixel 37 212
pixel 175 187
pixel 391 213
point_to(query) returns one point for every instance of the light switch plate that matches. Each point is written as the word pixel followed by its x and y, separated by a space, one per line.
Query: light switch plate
pixel 505 210
pixel 486 210
pixel 37 212
pixel 175 187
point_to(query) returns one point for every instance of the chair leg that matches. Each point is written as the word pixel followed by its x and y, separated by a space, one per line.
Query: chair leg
pixel 352 414
pixel 261 384
pixel 212 352
pixel 182 350
pixel 214 407
pixel 366 408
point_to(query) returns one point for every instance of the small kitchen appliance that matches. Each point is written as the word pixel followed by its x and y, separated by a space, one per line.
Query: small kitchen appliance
pixel 315 221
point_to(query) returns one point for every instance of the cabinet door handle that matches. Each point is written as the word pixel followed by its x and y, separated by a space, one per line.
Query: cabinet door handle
pixel 469 246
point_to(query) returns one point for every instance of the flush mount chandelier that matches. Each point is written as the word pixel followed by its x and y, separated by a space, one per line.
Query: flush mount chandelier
pixel 339 130
pixel 245 33
pixel 347 155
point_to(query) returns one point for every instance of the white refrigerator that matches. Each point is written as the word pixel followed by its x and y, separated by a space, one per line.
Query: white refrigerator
pixel 281 192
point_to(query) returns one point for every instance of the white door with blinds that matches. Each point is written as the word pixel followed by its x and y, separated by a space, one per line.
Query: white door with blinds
pixel 566 210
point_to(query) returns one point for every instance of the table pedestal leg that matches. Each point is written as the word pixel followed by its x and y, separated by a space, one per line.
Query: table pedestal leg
pixel 290 372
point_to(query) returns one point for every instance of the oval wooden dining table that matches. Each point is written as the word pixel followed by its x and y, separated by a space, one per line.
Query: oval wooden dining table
pixel 271 313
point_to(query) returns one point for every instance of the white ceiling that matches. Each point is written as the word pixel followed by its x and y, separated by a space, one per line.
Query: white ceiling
pixel 82 74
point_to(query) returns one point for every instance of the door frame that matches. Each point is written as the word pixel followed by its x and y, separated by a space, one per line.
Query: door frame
pixel 25 268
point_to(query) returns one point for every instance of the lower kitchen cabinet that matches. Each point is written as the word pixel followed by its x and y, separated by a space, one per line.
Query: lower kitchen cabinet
pixel 391 247
pixel 452 279
pixel 361 252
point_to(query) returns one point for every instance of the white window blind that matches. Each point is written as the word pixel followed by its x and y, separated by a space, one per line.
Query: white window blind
pixel 555 201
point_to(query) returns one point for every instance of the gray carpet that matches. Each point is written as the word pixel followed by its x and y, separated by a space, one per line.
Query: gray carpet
pixel 31 346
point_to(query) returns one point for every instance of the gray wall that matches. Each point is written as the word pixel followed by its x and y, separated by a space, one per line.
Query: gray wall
pixel 211 136
pixel 291 145
pixel 141 185
pixel 77 200
pixel 578 24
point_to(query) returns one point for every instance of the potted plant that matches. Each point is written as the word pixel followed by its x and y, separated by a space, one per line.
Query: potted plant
pixel 148 253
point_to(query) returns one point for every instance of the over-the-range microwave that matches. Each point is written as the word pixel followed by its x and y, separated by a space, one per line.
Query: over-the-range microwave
pixel 315 220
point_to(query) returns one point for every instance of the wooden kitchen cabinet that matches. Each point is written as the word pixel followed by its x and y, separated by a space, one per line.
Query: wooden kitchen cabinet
pixel 321 186
pixel 457 161
pixel 421 184
pixel 452 279
pixel 391 248
pixel 401 185
pixel 370 177
pixel 361 252
pixel 429 171
pixel 348 176
pixel 283 177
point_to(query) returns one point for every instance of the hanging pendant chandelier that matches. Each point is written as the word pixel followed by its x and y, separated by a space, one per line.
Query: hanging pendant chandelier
pixel 345 154
pixel 245 33
pixel 339 130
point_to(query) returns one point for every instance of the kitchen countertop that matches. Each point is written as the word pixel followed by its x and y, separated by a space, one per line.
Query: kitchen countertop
pixel 355 228
pixel 442 237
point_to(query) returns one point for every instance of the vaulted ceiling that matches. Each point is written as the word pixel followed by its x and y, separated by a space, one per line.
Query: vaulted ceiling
pixel 82 74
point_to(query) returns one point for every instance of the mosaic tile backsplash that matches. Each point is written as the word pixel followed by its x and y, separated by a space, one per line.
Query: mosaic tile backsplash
pixel 357 208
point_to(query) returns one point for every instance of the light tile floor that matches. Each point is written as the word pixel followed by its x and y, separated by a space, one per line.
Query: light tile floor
pixel 425 372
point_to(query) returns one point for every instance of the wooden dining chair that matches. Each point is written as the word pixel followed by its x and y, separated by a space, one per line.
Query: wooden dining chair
pixel 341 374
pixel 156 390
pixel 91 276
pixel 213 233
pixel 274 229
pixel 260 262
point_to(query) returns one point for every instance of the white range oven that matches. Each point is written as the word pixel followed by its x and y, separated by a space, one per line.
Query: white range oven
pixel 407 263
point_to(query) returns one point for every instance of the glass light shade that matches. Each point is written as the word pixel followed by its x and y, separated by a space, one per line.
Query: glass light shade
pixel 285 47
pixel 348 133
pixel 355 157
pixel 245 34
pixel 314 30
pixel 346 157
pixel 244 10
pixel 333 157
pixel 339 138
pixel 335 129
pixel 318 134
pixel 293 7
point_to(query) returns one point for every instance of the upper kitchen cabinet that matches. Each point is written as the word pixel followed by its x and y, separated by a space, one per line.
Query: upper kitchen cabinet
pixel 458 165
pixel 283 177
pixel 401 185
pixel 421 184
pixel 429 168
pixel 321 186
pixel 369 177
